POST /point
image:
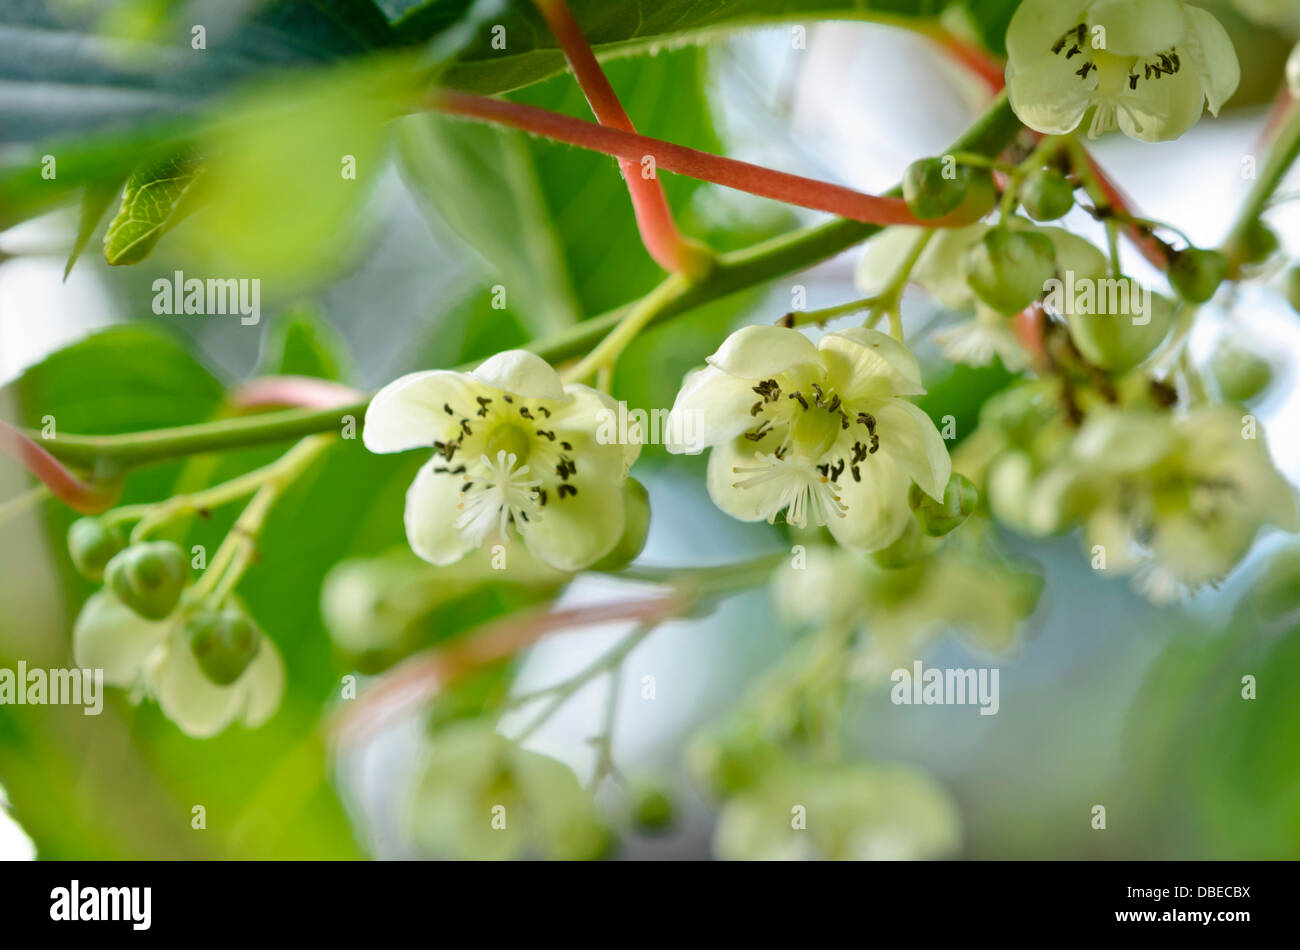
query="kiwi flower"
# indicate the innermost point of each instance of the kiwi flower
(513, 447)
(819, 432)
(154, 658)
(1148, 66)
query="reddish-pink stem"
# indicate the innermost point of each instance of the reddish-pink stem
(755, 179)
(1151, 249)
(987, 67)
(653, 216)
(422, 676)
(305, 391)
(85, 497)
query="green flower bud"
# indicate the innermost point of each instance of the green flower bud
(1121, 340)
(636, 526)
(1241, 374)
(91, 545)
(1047, 195)
(937, 518)
(935, 187)
(1277, 591)
(224, 643)
(1197, 273)
(1009, 269)
(1292, 286)
(652, 808)
(731, 762)
(148, 578)
(1258, 243)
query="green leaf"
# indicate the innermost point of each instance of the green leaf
(157, 197)
(300, 343)
(94, 204)
(621, 29)
(482, 182)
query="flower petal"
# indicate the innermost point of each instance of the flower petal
(574, 532)
(711, 408)
(523, 374)
(1211, 52)
(1047, 96)
(869, 365)
(1038, 24)
(876, 507)
(942, 267)
(586, 411)
(757, 352)
(909, 437)
(431, 512)
(410, 412)
(263, 685)
(188, 698)
(1139, 27)
(112, 637)
(751, 502)
(1161, 110)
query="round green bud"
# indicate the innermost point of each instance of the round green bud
(933, 187)
(1008, 269)
(91, 545)
(1241, 374)
(1118, 336)
(224, 643)
(936, 187)
(1047, 195)
(651, 808)
(148, 578)
(728, 763)
(937, 518)
(636, 526)
(1258, 243)
(1291, 285)
(1197, 273)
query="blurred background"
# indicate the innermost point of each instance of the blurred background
(1105, 699)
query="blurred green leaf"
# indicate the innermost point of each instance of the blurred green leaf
(157, 197)
(482, 182)
(300, 343)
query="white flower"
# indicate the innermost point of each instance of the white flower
(514, 446)
(1149, 66)
(153, 658)
(816, 431)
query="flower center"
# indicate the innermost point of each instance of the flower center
(814, 432)
(511, 439)
(497, 493)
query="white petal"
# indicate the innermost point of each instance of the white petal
(711, 408)
(1038, 24)
(410, 412)
(941, 269)
(1122, 441)
(574, 532)
(431, 514)
(263, 685)
(1047, 96)
(877, 509)
(868, 364)
(523, 374)
(1212, 54)
(911, 440)
(1161, 110)
(589, 412)
(188, 698)
(112, 637)
(758, 352)
(884, 254)
(753, 502)
(1139, 27)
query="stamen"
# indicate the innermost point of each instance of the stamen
(500, 493)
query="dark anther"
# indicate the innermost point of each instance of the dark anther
(546, 434)
(446, 407)
(523, 411)
(799, 397)
(566, 490)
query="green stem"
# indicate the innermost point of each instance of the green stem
(1285, 150)
(737, 271)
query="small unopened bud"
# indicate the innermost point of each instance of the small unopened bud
(1008, 269)
(1047, 195)
(1197, 273)
(651, 807)
(937, 518)
(1241, 374)
(91, 545)
(224, 643)
(636, 526)
(148, 578)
